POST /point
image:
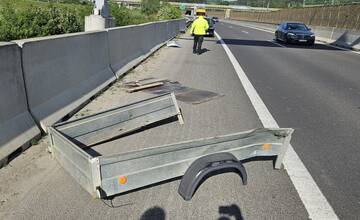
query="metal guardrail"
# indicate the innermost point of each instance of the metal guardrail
(108, 175)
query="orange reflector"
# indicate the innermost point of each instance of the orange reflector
(122, 180)
(266, 146)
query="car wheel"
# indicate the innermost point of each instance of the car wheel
(286, 39)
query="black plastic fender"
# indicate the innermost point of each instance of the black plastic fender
(203, 166)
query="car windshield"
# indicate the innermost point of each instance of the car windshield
(295, 26)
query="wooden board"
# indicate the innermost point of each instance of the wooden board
(150, 85)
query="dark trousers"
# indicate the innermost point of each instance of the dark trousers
(198, 39)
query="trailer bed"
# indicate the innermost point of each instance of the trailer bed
(103, 174)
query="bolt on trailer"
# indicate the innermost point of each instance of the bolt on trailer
(107, 175)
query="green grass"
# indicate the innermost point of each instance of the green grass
(23, 4)
(21, 19)
(29, 18)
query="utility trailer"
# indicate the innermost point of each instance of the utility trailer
(107, 175)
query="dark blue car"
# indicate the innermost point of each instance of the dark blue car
(294, 32)
(211, 30)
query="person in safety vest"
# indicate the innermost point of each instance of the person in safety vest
(198, 29)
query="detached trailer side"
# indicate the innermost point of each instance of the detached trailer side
(108, 175)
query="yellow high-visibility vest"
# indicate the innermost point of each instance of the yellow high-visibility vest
(199, 26)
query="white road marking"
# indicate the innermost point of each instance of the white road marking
(271, 41)
(245, 32)
(256, 28)
(326, 44)
(314, 201)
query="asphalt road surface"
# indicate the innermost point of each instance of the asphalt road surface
(34, 186)
(316, 91)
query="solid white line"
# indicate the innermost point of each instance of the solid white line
(256, 28)
(245, 32)
(314, 201)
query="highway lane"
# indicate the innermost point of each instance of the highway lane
(316, 91)
(35, 186)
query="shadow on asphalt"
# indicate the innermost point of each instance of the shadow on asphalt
(260, 43)
(226, 213)
(264, 43)
(154, 213)
(208, 39)
(204, 50)
(94, 153)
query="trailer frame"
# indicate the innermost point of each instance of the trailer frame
(108, 175)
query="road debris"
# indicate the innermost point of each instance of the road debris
(109, 124)
(185, 94)
(142, 84)
(173, 44)
(150, 85)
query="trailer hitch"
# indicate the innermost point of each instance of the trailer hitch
(202, 167)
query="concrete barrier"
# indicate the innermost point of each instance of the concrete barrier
(339, 16)
(63, 72)
(128, 46)
(182, 26)
(173, 28)
(132, 44)
(336, 36)
(148, 41)
(55, 75)
(161, 31)
(17, 127)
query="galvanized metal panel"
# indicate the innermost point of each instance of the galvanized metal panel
(73, 159)
(92, 129)
(156, 164)
(150, 165)
(106, 125)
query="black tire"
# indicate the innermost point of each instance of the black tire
(311, 43)
(286, 40)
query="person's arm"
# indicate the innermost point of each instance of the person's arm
(206, 25)
(192, 27)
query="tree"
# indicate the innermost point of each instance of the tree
(168, 12)
(31, 21)
(150, 7)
